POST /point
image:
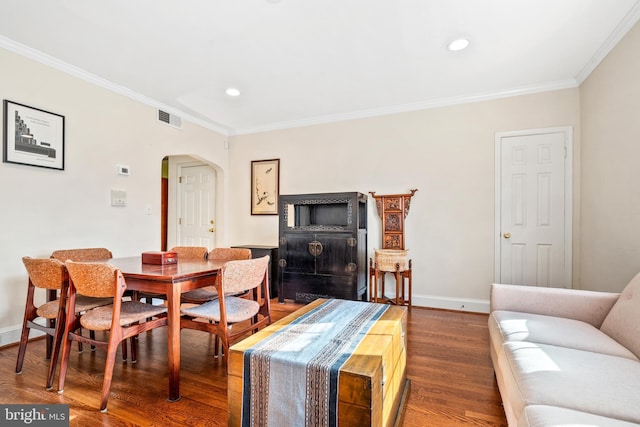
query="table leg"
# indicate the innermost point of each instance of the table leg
(399, 281)
(173, 331)
(410, 286)
(376, 276)
(52, 295)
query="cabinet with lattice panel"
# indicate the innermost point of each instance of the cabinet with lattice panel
(322, 246)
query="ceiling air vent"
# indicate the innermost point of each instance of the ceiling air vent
(170, 119)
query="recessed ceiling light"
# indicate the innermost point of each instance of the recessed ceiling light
(458, 44)
(232, 91)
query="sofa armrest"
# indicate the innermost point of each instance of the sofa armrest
(588, 306)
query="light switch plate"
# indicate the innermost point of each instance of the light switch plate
(118, 198)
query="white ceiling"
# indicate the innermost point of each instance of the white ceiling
(299, 62)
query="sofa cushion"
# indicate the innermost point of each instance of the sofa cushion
(515, 326)
(575, 379)
(623, 321)
(545, 416)
(588, 306)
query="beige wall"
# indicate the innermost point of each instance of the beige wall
(446, 153)
(610, 107)
(45, 209)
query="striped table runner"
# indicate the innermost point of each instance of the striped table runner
(291, 377)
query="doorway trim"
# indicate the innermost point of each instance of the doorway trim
(568, 196)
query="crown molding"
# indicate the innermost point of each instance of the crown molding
(403, 108)
(59, 65)
(625, 25)
(614, 38)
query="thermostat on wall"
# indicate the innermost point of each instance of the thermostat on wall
(123, 169)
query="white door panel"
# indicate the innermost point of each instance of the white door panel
(196, 224)
(531, 209)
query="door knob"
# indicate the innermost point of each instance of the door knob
(212, 229)
(507, 235)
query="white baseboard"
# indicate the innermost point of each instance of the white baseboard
(460, 304)
(11, 335)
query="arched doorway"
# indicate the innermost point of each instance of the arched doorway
(191, 188)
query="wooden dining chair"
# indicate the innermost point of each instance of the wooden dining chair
(185, 253)
(49, 274)
(190, 252)
(122, 319)
(82, 254)
(247, 314)
(208, 293)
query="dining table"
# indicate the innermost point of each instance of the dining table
(170, 280)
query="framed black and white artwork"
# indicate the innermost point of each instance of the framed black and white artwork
(33, 136)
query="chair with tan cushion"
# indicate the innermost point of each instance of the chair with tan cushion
(49, 274)
(82, 254)
(208, 293)
(229, 254)
(185, 253)
(122, 319)
(246, 314)
(190, 252)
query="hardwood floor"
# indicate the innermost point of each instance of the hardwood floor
(452, 382)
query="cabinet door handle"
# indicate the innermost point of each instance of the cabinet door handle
(315, 248)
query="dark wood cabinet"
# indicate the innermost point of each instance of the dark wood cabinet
(322, 246)
(258, 251)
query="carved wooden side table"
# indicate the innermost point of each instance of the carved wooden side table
(392, 258)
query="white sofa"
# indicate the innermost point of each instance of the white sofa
(565, 357)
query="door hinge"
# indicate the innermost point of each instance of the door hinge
(179, 221)
(180, 180)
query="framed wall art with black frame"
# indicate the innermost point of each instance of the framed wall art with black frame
(265, 186)
(32, 136)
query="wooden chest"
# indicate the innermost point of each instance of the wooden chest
(372, 383)
(159, 257)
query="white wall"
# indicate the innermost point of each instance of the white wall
(446, 153)
(610, 105)
(45, 209)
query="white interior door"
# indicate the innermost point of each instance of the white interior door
(534, 208)
(196, 222)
